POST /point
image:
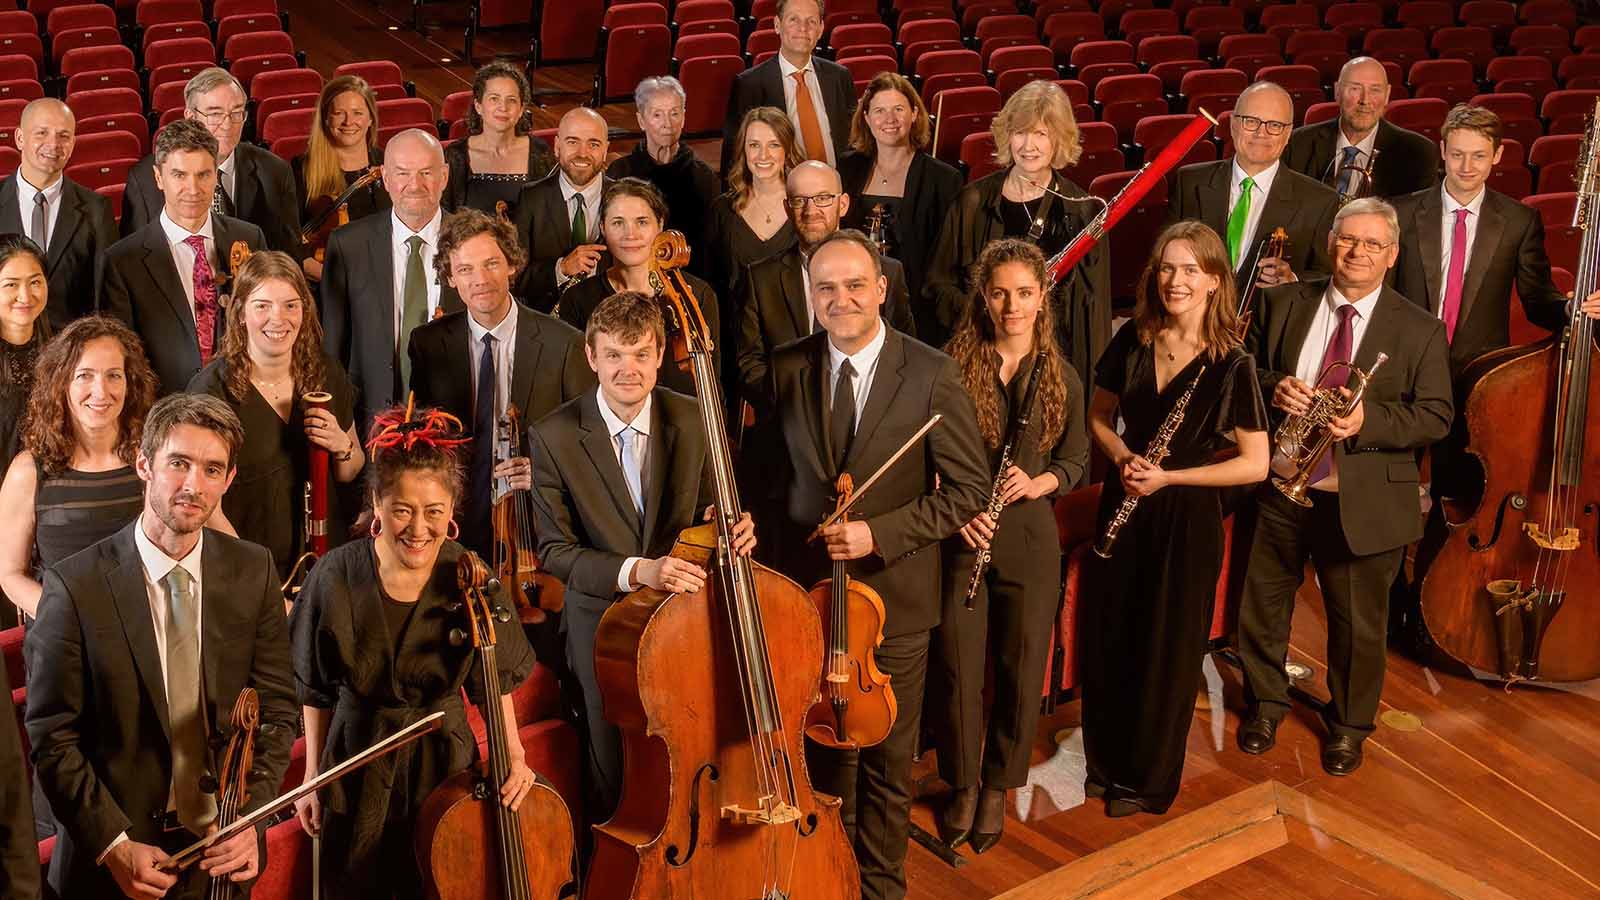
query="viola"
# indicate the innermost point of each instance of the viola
(534, 592)
(326, 213)
(233, 791)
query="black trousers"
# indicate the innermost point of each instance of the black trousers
(875, 783)
(601, 741)
(1355, 592)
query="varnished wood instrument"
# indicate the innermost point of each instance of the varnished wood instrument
(316, 490)
(880, 224)
(233, 791)
(1273, 246)
(534, 592)
(326, 213)
(716, 802)
(471, 846)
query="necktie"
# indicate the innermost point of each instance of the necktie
(1237, 218)
(630, 469)
(842, 421)
(414, 308)
(221, 203)
(810, 126)
(1339, 350)
(205, 298)
(41, 221)
(1451, 309)
(580, 222)
(1344, 182)
(196, 809)
(480, 490)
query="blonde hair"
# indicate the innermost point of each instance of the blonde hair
(1035, 102)
(324, 175)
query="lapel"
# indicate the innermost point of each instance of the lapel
(1292, 339)
(126, 584)
(1491, 227)
(664, 440)
(597, 443)
(244, 180)
(1212, 195)
(216, 643)
(1324, 147)
(914, 173)
(382, 256)
(1384, 315)
(524, 358)
(163, 273)
(794, 292)
(773, 83)
(10, 206)
(461, 357)
(555, 211)
(813, 388)
(67, 221)
(885, 385)
(1427, 224)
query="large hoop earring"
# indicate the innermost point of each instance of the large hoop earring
(376, 528)
(454, 531)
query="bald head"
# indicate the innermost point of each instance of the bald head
(412, 142)
(45, 137)
(581, 145)
(414, 174)
(1260, 126)
(1363, 94)
(816, 187)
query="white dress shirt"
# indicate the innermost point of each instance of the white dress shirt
(1309, 365)
(589, 196)
(1261, 186)
(641, 455)
(1366, 145)
(183, 254)
(52, 207)
(865, 363)
(1447, 228)
(792, 106)
(400, 232)
(505, 334)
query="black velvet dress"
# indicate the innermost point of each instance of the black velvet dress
(1146, 618)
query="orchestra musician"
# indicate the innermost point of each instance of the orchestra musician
(1142, 638)
(1244, 199)
(847, 398)
(532, 361)
(19, 850)
(1363, 494)
(343, 145)
(662, 158)
(1406, 161)
(617, 474)
(1007, 331)
(271, 357)
(372, 655)
(1035, 136)
(24, 328)
(559, 256)
(141, 640)
(500, 156)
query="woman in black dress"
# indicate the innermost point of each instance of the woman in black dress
(889, 166)
(1034, 136)
(342, 147)
(1009, 328)
(271, 358)
(73, 482)
(632, 214)
(372, 652)
(1144, 623)
(500, 156)
(23, 330)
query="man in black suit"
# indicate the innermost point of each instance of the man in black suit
(1277, 197)
(168, 279)
(847, 398)
(566, 246)
(1405, 162)
(664, 160)
(821, 113)
(71, 223)
(379, 280)
(1364, 496)
(493, 355)
(142, 645)
(19, 849)
(253, 184)
(617, 473)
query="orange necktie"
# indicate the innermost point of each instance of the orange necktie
(810, 126)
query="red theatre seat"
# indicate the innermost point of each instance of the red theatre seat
(631, 54)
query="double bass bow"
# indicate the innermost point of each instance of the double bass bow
(534, 592)
(716, 801)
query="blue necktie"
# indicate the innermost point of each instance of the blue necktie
(480, 490)
(1344, 182)
(630, 469)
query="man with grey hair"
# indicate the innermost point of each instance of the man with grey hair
(1361, 506)
(1402, 161)
(71, 224)
(687, 184)
(167, 279)
(143, 643)
(1247, 198)
(253, 184)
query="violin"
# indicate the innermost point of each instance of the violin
(1273, 246)
(535, 593)
(326, 213)
(860, 708)
(880, 222)
(233, 791)
(471, 846)
(716, 800)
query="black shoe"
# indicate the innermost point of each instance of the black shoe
(955, 820)
(1116, 809)
(990, 820)
(1258, 734)
(1341, 754)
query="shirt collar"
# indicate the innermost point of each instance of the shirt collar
(1475, 206)
(177, 234)
(26, 190)
(614, 425)
(1366, 144)
(1336, 298)
(429, 232)
(1262, 180)
(864, 359)
(157, 564)
(788, 68)
(503, 331)
(590, 192)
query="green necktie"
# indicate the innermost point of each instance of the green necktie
(1237, 218)
(580, 224)
(415, 309)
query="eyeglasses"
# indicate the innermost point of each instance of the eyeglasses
(217, 117)
(1350, 242)
(1253, 124)
(820, 201)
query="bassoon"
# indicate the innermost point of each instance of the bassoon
(316, 489)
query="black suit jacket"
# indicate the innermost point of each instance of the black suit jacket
(763, 86)
(358, 304)
(931, 189)
(1408, 405)
(83, 232)
(774, 313)
(545, 229)
(548, 366)
(1507, 252)
(1303, 207)
(141, 285)
(97, 705)
(907, 514)
(264, 195)
(19, 848)
(1406, 162)
(582, 512)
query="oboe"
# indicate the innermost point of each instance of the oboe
(1154, 454)
(996, 504)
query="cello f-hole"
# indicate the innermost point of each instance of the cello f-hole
(709, 772)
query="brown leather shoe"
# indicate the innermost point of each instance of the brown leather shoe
(1341, 754)
(1258, 734)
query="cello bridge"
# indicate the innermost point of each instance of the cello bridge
(770, 813)
(1564, 539)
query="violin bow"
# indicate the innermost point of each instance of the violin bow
(867, 485)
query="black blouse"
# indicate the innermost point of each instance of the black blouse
(373, 198)
(466, 190)
(1068, 457)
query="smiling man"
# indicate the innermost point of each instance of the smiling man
(566, 247)
(1405, 162)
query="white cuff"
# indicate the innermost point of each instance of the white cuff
(101, 859)
(624, 583)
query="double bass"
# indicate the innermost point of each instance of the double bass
(232, 790)
(716, 801)
(535, 593)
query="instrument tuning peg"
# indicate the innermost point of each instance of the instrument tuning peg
(502, 615)
(453, 606)
(493, 586)
(458, 637)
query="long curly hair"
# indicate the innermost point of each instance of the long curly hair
(480, 85)
(1221, 321)
(47, 423)
(305, 363)
(739, 183)
(973, 346)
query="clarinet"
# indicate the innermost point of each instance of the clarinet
(1155, 453)
(996, 505)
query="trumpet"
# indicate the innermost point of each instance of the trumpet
(1303, 439)
(1354, 181)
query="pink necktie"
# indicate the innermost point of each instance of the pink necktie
(1453, 278)
(205, 298)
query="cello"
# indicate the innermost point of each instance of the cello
(716, 801)
(233, 790)
(1515, 589)
(471, 846)
(535, 593)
